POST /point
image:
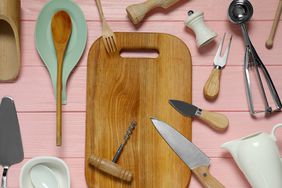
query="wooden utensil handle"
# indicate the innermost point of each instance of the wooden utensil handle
(59, 101)
(100, 9)
(212, 85)
(111, 168)
(215, 120)
(205, 178)
(137, 12)
(269, 42)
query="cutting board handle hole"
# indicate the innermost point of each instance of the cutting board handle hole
(139, 53)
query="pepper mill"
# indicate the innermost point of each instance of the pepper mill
(204, 34)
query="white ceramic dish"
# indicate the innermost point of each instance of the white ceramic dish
(42, 176)
(58, 166)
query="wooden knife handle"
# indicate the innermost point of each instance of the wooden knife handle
(111, 168)
(269, 42)
(137, 12)
(215, 120)
(205, 178)
(212, 85)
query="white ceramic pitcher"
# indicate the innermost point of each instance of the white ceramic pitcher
(258, 158)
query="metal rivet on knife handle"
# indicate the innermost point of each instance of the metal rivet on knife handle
(215, 120)
(206, 179)
(110, 168)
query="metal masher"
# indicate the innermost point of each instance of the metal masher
(239, 12)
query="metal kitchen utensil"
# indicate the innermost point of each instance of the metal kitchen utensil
(110, 167)
(189, 153)
(125, 139)
(215, 120)
(212, 86)
(11, 149)
(239, 12)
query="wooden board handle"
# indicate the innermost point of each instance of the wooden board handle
(205, 178)
(212, 85)
(215, 120)
(137, 12)
(269, 42)
(111, 168)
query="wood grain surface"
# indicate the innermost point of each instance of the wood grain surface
(122, 89)
(35, 101)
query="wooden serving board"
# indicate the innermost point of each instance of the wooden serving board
(120, 90)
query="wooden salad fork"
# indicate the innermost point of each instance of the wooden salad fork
(108, 35)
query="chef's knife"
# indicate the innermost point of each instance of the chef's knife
(11, 149)
(192, 156)
(214, 120)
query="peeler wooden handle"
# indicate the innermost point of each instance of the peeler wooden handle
(137, 12)
(215, 120)
(269, 42)
(212, 85)
(111, 168)
(207, 180)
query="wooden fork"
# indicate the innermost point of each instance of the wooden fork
(108, 35)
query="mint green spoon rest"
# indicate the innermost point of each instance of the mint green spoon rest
(45, 46)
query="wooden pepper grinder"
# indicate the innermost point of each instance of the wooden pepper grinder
(137, 12)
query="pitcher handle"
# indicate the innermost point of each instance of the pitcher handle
(273, 131)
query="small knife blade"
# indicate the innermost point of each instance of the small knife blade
(190, 154)
(215, 120)
(185, 108)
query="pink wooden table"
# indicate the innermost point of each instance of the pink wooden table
(36, 105)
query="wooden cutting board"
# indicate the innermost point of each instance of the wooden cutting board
(120, 90)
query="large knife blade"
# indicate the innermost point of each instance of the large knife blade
(190, 154)
(215, 120)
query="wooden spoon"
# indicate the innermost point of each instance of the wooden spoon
(61, 31)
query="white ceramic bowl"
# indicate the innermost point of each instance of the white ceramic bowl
(57, 165)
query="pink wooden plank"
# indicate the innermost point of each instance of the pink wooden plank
(38, 133)
(223, 169)
(115, 10)
(258, 31)
(33, 91)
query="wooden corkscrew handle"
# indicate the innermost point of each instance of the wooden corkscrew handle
(111, 168)
(137, 12)
(269, 42)
(212, 85)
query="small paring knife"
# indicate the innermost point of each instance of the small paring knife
(190, 154)
(215, 120)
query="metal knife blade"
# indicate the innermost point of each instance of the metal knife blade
(185, 108)
(186, 150)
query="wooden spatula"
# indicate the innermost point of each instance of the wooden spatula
(61, 31)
